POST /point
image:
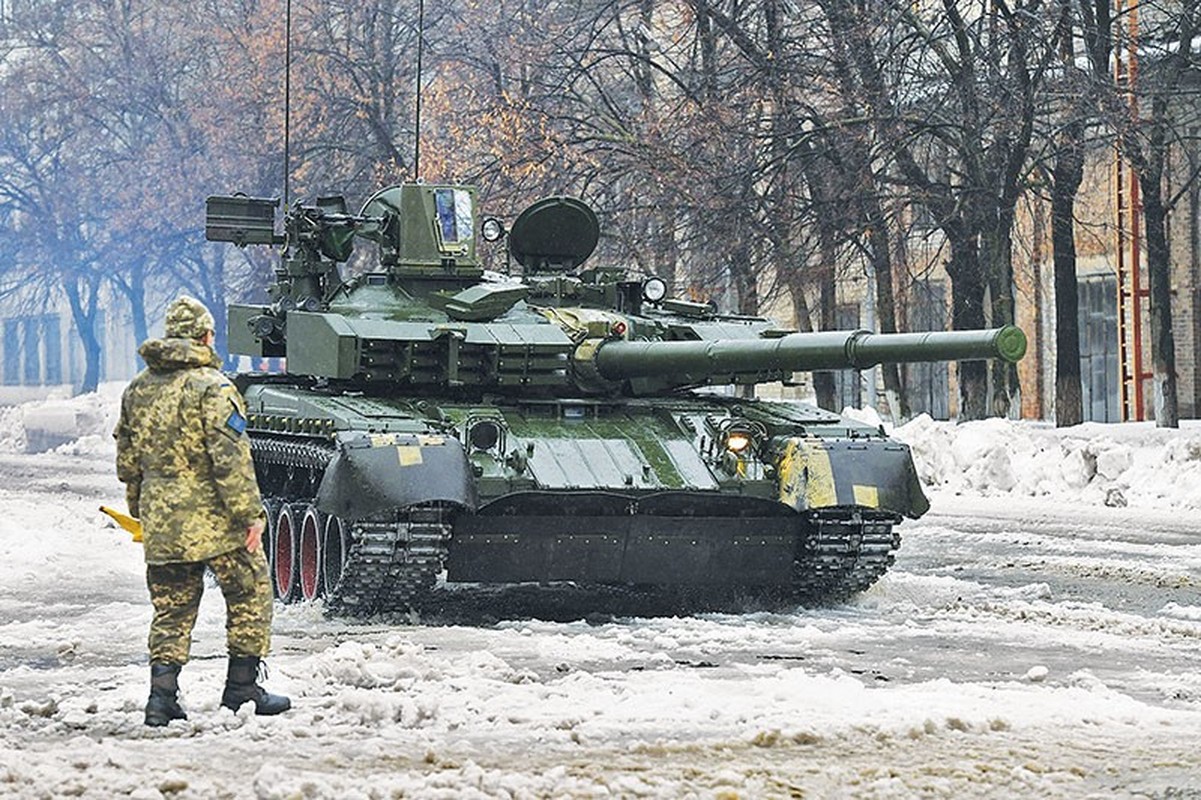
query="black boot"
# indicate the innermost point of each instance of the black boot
(240, 686)
(163, 705)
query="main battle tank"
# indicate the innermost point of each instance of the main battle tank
(434, 418)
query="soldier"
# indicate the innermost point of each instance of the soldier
(184, 457)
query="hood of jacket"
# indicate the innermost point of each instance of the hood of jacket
(162, 355)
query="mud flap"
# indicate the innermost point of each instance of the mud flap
(822, 473)
(373, 473)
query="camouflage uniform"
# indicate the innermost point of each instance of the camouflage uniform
(183, 454)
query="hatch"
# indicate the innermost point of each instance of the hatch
(554, 234)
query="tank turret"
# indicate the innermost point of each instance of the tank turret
(425, 242)
(436, 416)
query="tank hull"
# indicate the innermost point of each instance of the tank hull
(620, 492)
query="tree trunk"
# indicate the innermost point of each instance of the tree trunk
(667, 252)
(83, 312)
(886, 306)
(742, 274)
(1005, 387)
(214, 296)
(823, 380)
(137, 309)
(967, 313)
(1163, 342)
(135, 292)
(1149, 165)
(708, 45)
(800, 306)
(1067, 175)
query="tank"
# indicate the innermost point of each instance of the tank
(435, 426)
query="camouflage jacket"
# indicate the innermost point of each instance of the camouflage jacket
(183, 454)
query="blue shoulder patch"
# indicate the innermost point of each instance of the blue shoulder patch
(236, 422)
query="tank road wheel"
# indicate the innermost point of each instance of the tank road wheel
(271, 511)
(335, 547)
(283, 562)
(309, 553)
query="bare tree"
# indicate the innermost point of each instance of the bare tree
(1146, 130)
(45, 163)
(955, 107)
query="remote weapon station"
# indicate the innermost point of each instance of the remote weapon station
(431, 419)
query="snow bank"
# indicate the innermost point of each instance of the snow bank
(80, 425)
(1133, 464)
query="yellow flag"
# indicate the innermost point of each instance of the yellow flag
(125, 521)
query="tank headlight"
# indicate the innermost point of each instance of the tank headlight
(741, 437)
(654, 289)
(738, 442)
(491, 229)
(483, 435)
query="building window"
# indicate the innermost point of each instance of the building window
(1098, 310)
(31, 373)
(53, 347)
(12, 351)
(33, 351)
(927, 385)
(848, 383)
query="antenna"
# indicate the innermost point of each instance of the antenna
(417, 123)
(287, 99)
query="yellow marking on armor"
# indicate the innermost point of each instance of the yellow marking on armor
(791, 472)
(866, 495)
(819, 491)
(431, 441)
(382, 439)
(805, 475)
(409, 454)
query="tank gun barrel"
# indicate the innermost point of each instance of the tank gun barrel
(795, 352)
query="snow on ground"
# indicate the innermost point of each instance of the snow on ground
(1038, 637)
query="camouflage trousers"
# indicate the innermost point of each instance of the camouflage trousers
(175, 590)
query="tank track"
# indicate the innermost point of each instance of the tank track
(310, 455)
(846, 553)
(391, 561)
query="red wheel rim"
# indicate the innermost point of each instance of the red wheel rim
(285, 554)
(310, 554)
